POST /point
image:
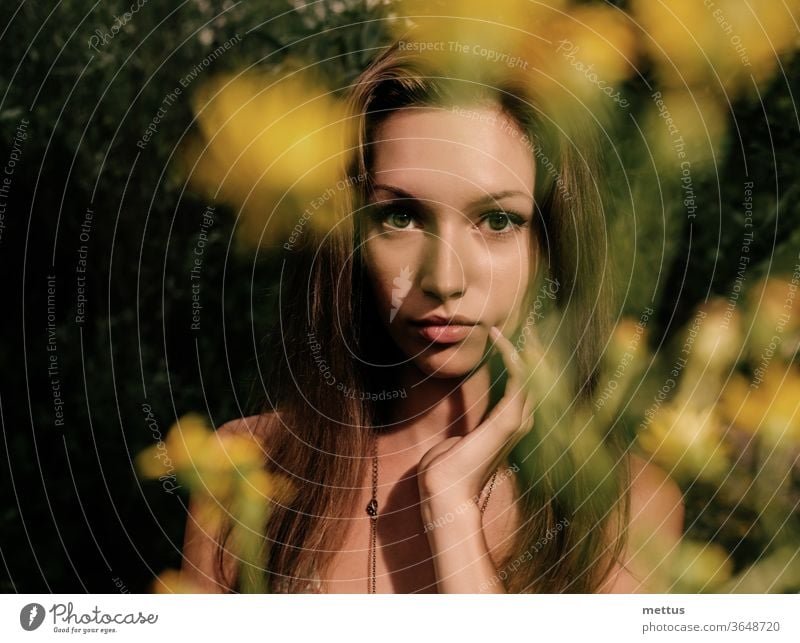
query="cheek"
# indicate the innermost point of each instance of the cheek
(510, 278)
(382, 266)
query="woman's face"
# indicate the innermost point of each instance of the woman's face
(448, 242)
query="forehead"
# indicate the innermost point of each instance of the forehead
(430, 151)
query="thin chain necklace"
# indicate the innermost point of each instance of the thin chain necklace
(372, 512)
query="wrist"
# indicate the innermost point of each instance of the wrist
(440, 493)
(446, 500)
(441, 510)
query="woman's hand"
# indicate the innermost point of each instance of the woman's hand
(457, 469)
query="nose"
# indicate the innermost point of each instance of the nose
(443, 269)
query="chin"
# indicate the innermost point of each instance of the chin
(445, 362)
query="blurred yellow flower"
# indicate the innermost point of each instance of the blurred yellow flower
(683, 127)
(774, 319)
(230, 451)
(700, 567)
(466, 34)
(628, 341)
(184, 440)
(769, 406)
(209, 462)
(624, 359)
(230, 485)
(172, 581)
(753, 35)
(679, 36)
(226, 461)
(268, 140)
(720, 44)
(718, 340)
(596, 49)
(686, 441)
(712, 344)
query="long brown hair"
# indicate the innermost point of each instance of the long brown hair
(328, 339)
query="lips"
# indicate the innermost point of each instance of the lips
(443, 330)
(442, 320)
(447, 334)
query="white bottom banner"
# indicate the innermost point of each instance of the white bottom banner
(400, 617)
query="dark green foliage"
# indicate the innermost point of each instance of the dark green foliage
(76, 517)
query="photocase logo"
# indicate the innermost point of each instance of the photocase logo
(402, 285)
(31, 616)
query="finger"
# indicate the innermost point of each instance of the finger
(508, 411)
(511, 359)
(519, 370)
(527, 414)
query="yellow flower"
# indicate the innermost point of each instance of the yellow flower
(712, 343)
(686, 441)
(623, 360)
(465, 34)
(595, 48)
(222, 463)
(230, 486)
(172, 581)
(628, 341)
(679, 35)
(206, 461)
(272, 146)
(227, 452)
(774, 319)
(700, 567)
(184, 440)
(721, 45)
(753, 35)
(769, 406)
(685, 126)
(717, 335)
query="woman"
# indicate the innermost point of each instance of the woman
(401, 329)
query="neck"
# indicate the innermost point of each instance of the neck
(435, 409)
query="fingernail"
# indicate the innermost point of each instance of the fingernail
(494, 332)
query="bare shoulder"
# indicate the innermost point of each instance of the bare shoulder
(261, 427)
(654, 528)
(258, 425)
(655, 497)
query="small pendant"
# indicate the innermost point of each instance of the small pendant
(372, 507)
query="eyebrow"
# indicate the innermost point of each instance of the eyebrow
(488, 199)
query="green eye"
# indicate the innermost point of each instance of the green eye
(498, 221)
(394, 217)
(502, 222)
(398, 219)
